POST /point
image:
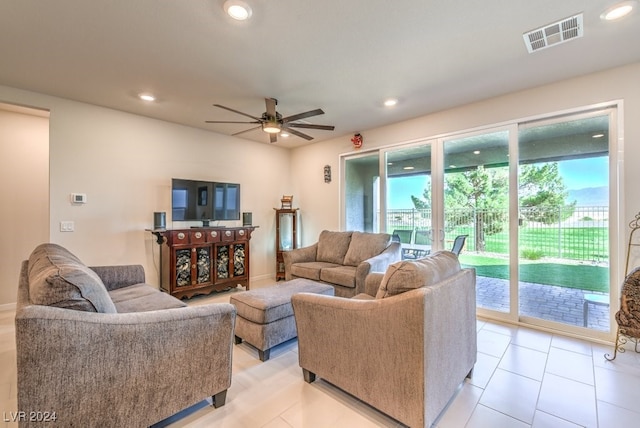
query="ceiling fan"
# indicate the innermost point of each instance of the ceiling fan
(273, 123)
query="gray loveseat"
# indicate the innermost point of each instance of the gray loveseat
(342, 259)
(407, 349)
(100, 348)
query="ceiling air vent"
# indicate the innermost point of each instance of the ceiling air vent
(554, 34)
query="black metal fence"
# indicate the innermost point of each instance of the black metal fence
(574, 233)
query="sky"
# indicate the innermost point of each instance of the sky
(577, 174)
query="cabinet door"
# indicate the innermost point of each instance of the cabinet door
(222, 262)
(193, 266)
(239, 259)
(183, 267)
(202, 265)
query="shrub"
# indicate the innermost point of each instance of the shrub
(532, 254)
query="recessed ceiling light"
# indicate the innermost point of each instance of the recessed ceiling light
(618, 11)
(408, 168)
(476, 152)
(452, 166)
(237, 9)
(390, 102)
(147, 97)
(597, 136)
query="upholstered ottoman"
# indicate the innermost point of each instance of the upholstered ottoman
(265, 316)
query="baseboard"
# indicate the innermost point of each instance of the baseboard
(8, 307)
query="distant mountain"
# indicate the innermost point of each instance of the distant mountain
(590, 196)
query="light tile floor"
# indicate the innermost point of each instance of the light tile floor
(523, 378)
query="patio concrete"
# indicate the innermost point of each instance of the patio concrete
(543, 301)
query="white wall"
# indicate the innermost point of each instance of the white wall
(24, 191)
(319, 201)
(124, 163)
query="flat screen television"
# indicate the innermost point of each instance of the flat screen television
(193, 200)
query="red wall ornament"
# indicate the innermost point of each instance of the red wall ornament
(357, 141)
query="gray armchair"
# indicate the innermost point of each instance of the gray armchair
(404, 352)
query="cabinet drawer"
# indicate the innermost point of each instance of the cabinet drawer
(227, 235)
(179, 238)
(213, 236)
(197, 236)
(242, 235)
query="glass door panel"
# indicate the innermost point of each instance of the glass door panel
(408, 199)
(361, 193)
(563, 240)
(476, 205)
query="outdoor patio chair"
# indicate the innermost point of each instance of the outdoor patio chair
(422, 237)
(628, 317)
(458, 243)
(404, 235)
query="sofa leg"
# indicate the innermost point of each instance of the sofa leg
(308, 376)
(470, 374)
(264, 355)
(219, 399)
(238, 340)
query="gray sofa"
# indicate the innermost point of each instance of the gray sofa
(407, 349)
(342, 259)
(99, 347)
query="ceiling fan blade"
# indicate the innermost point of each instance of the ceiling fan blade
(304, 115)
(226, 121)
(271, 107)
(248, 130)
(310, 126)
(236, 111)
(273, 138)
(297, 133)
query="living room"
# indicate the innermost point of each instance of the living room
(124, 163)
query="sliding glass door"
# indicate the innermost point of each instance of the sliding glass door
(476, 206)
(563, 192)
(408, 201)
(531, 201)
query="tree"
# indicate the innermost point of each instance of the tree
(543, 194)
(481, 196)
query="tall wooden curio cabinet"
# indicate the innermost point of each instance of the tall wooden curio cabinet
(286, 236)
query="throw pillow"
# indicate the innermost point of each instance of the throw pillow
(332, 246)
(58, 278)
(411, 274)
(364, 246)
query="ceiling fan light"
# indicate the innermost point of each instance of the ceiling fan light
(271, 127)
(237, 9)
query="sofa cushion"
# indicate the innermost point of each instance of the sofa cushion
(143, 298)
(340, 275)
(364, 246)
(411, 274)
(58, 278)
(310, 270)
(333, 246)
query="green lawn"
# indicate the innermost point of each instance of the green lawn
(584, 277)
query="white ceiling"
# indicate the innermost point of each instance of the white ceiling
(343, 56)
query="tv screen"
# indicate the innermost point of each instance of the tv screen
(193, 200)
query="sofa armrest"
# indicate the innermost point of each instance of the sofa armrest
(121, 365)
(372, 283)
(298, 255)
(115, 277)
(379, 263)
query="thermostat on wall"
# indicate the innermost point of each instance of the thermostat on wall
(78, 198)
